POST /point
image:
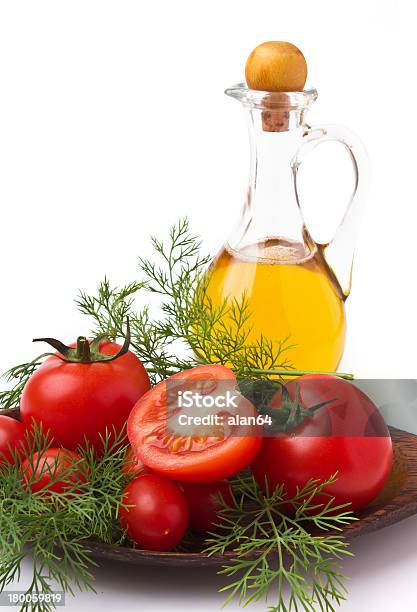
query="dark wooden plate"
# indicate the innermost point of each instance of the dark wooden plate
(397, 501)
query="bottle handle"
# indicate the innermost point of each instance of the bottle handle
(339, 251)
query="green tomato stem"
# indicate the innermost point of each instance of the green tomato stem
(282, 373)
(85, 351)
(292, 373)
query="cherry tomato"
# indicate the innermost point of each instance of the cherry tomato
(77, 400)
(204, 503)
(348, 435)
(43, 471)
(133, 466)
(192, 457)
(12, 438)
(157, 516)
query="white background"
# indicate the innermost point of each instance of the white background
(113, 124)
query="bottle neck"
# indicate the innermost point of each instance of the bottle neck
(271, 208)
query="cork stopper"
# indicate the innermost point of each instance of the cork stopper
(280, 111)
(277, 119)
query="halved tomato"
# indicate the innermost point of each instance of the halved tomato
(213, 452)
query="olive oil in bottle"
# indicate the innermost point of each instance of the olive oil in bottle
(291, 292)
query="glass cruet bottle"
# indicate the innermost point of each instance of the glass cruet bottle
(295, 287)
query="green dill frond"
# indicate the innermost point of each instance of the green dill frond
(189, 329)
(290, 551)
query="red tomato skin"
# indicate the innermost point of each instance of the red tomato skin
(45, 466)
(202, 503)
(236, 453)
(363, 462)
(363, 465)
(12, 438)
(158, 517)
(74, 400)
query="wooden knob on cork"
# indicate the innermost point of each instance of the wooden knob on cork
(276, 66)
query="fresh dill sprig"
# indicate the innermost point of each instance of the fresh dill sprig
(52, 528)
(190, 328)
(110, 307)
(280, 542)
(18, 375)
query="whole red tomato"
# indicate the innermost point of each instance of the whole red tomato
(347, 435)
(54, 470)
(85, 396)
(12, 438)
(157, 516)
(215, 453)
(204, 503)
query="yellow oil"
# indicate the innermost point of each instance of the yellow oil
(291, 292)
